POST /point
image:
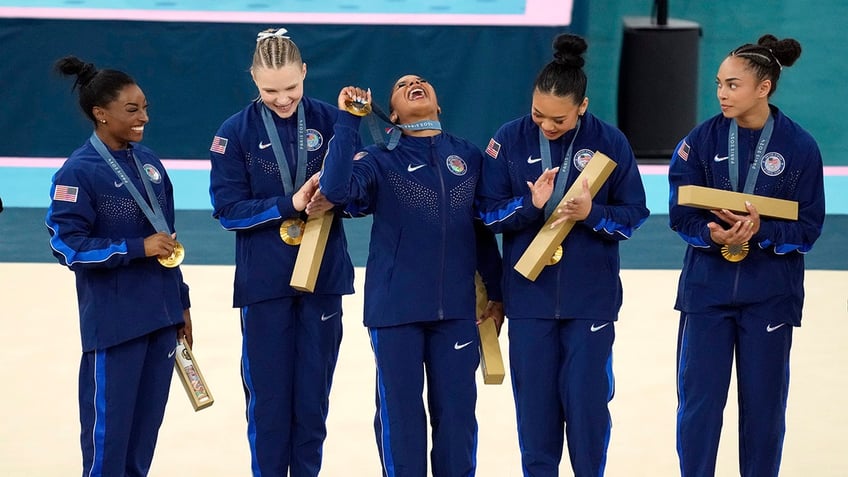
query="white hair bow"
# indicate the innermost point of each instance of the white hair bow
(281, 33)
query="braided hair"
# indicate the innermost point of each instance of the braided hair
(275, 50)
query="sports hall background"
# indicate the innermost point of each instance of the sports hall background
(194, 74)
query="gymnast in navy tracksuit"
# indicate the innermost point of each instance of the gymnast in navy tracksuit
(745, 307)
(290, 338)
(561, 326)
(420, 301)
(132, 308)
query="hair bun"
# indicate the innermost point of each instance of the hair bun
(786, 51)
(569, 49)
(71, 65)
(87, 73)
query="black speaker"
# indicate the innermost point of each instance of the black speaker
(657, 84)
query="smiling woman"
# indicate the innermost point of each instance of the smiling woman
(425, 248)
(264, 159)
(562, 326)
(110, 234)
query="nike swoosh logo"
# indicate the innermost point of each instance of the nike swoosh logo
(719, 159)
(530, 160)
(327, 317)
(770, 328)
(412, 168)
(460, 346)
(171, 353)
(594, 328)
(264, 146)
(119, 183)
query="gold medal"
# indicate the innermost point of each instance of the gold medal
(357, 108)
(291, 231)
(556, 257)
(734, 253)
(175, 258)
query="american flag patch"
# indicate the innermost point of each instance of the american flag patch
(65, 193)
(683, 151)
(493, 148)
(219, 145)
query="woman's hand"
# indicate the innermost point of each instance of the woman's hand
(576, 208)
(160, 245)
(301, 198)
(318, 204)
(742, 227)
(494, 311)
(355, 94)
(542, 189)
(185, 333)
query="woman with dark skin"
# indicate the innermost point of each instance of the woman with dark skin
(420, 304)
(741, 290)
(111, 221)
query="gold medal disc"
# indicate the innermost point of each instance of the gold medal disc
(175, 258)
(734, 253)
(556, 257)
(291, 231)
(357, 109)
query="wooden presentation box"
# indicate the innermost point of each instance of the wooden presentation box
(191, 377)
(310, 253)
(715, 199)
(491, 359)
(543, 246)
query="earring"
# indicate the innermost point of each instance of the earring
(103, 121)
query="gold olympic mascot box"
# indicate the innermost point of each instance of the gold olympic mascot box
(310, 253)
(491, 359)
(192, 379)
(714, 199)
(543, 246)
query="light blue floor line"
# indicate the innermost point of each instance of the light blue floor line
(30, 187)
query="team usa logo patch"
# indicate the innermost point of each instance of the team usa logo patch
(773, 164)
(219, 145)
(152, 173)
(493, 148)
(582, 158)
(683, 151)
(314, 140)
(456, 165)
(359, 155)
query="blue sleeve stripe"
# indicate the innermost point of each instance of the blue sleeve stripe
(611, 227)
(788, 247)
(785, 248)
(72, 257)
(503, 213)
(248, 222)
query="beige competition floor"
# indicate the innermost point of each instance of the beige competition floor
(40, 353)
